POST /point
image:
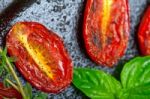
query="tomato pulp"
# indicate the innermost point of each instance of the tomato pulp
(144, 33)
(9, 92)
(41, 56)
(106, 30)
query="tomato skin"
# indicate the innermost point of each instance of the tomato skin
(41, 56)
(106, 30)
(144, 33)
(9, 92)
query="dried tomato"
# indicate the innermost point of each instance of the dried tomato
(41, 56)
(106, 30)
(9, 92)
(144, 33)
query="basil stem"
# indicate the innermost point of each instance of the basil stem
(20, 86)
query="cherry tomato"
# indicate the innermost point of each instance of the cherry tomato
(41, 56)
(106, 30)
(9, 92)
(144, 33)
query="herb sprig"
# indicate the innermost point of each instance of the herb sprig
(10, 78)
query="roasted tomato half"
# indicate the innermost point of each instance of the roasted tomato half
(9, 93)
(41, 56)
(144, 34)
(106, 30)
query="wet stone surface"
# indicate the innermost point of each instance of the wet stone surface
(65, 18)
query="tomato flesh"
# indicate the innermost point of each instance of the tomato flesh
(41, 56)
(144, 33)
(106, 30)
(9, 92)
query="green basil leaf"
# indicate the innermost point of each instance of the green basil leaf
(3, 52)
(96, 84)
(1, 70)
(135, 79)
(12, 59)
(40, 95)
(28, 90)
(7, 76)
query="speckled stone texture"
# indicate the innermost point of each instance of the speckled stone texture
(65, 17)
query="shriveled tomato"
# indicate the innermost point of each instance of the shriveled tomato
(144, 34)
(106, 30)
(9, 92)
(41, 56)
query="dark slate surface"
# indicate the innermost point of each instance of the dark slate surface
(65, 18)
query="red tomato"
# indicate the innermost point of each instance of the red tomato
(106, 30)
(9, 92)
(144, 34)
(41, 56)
